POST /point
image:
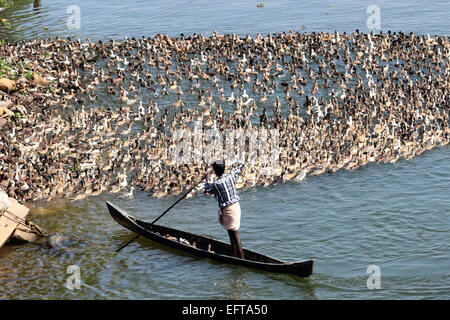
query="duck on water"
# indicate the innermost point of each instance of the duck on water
(339, 101)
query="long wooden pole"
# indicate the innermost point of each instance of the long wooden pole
(161, 215)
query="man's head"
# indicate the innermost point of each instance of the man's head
(219, 167)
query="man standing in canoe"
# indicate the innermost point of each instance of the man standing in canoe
(224, 189)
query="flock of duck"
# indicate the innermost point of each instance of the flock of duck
(100, 116)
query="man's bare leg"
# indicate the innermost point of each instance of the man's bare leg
(236, 244)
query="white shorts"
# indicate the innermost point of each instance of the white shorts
(230, 216)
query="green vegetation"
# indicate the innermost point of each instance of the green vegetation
(75, 168)
(28, 74)
(5, 23)
(10, 69)
(6, 3)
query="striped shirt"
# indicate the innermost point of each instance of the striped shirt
(224, 188)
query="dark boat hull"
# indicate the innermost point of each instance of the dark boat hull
(207, 247)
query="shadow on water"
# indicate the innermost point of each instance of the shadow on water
(37, 4)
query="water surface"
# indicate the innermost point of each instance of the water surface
(395, 216)
(118, 19)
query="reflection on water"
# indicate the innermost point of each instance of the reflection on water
(393, 215)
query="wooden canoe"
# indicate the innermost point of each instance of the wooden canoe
(206, 247)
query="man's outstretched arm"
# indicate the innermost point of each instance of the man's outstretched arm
(209, 187)
(237, 171)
